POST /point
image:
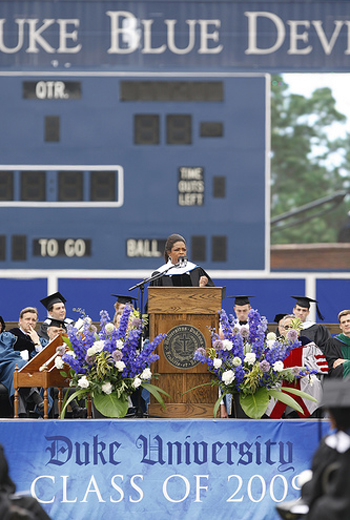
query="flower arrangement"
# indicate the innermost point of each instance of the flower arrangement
(109, 365)
(250, 363)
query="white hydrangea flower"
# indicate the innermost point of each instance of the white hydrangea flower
(271, 336)
(227, 344)
(136, 383)
(228, 377)
(120, 365)
(278, 366)
(109, 328)
(236, 361)
(83, 382)
(99, 345)
(119, 344)
(107, 388)
(250, 358)
(146, 374)
(59, 363)
(217, 362)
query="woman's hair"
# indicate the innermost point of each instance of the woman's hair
(170, 242)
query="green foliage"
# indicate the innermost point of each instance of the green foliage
(300, 170)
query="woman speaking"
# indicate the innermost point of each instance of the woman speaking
(177, 270)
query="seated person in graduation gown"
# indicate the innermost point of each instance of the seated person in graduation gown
(56, 309)
(337, 348)
(308, 354)
(178, 271)
(316, 332)
(9, 359)
(28, 341)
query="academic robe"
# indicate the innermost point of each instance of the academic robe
(308, 354)
(24, 342)
(333, 351)
(9, 358)
(328, 492)
(187, 276)
(317, 333)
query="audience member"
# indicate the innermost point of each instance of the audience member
(325, 492)
(12, 506)
(337, 348)
(314, 331)
(307, 355)
(55, 306)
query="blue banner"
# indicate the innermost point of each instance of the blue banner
(149, 469)
(250, 35)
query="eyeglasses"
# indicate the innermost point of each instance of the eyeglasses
(287, 327)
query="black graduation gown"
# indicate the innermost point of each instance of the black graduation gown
(333, 351)
(182, 280)
(319, 334)
(328, 492)
(23, 342)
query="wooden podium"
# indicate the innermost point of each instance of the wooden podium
(185, 314)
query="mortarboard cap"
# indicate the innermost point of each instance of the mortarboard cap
(279, 317)
(51, 299)
(242, 299)
(336, 393)
(304, 301)
(52, 322)
(122, 298)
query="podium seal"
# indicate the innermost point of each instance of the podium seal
(180, 345)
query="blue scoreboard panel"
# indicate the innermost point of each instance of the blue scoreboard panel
(97, 169)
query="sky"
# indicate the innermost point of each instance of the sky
(339, 83)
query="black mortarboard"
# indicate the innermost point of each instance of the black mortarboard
(3, 324)
(279, 317)
(124, 299)
(51, 299)
(52, 322)
(304, 301)
(242, 299)
(336, 393)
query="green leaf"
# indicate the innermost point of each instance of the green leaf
(218, 402)
(67, 400)
(67, 341)
(286, 399)
(255, 405)
(155, 391)
(300, 393)
(198, 386)
(111, 405)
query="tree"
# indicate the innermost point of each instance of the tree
(300, 170)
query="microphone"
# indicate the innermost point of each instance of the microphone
(182, 261)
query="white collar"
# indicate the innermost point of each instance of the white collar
(339, 441)
(176, 270)
(307, 324)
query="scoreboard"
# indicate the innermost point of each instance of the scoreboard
(98, 168)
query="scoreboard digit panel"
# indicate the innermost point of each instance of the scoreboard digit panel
(97, 170)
